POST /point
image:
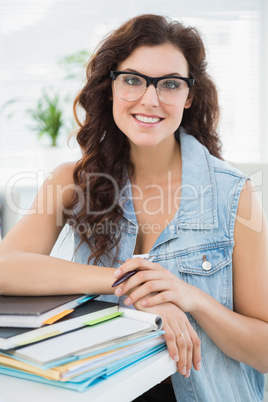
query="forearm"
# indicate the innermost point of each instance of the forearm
(35, 274)
(243, 338)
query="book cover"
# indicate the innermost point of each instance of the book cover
(34, 311)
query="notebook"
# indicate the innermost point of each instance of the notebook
(89, 340)
(87, 313)
(35, 311)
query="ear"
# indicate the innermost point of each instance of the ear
(188, 102)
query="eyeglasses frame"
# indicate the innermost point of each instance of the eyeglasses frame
(151, 80)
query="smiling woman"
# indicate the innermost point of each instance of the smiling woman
(32, 44)
(168, 95)
(152, 183)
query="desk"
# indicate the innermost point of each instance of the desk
(121, 387)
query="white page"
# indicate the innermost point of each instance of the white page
(134, 314)
(114, 355)
(70, 343)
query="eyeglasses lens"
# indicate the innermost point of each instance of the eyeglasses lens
(171, 91)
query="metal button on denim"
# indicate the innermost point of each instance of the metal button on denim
(206, 265)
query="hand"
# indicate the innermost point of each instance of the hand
(183, 343)
(153, 285)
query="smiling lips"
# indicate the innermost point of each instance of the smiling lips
(147, 119)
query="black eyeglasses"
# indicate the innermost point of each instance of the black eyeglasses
(171, 89)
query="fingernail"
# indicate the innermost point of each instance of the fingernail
(127, 301)
(176, 358)
(183, 371)
(198, 367)
(118, 292)
(188, 372)
(117, 273)
(144, 303)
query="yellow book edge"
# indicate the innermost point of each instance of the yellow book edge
(54, 373)
(49, 374)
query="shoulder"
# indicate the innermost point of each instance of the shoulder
(250, 257)
(197, 155)
(64, 173)
(230, 182)
(249, 213)
(59, 185)
(222, 167)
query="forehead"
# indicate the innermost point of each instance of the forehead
(156, 61)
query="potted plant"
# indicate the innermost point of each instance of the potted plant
(48, 117)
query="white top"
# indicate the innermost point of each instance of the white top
(141, 255)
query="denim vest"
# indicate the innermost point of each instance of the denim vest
(201, 230)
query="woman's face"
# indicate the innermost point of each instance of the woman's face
(147, 121)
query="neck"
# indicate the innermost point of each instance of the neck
(153, 164)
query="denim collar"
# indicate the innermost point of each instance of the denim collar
(198, 205)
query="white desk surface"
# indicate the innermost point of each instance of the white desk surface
(121, 387)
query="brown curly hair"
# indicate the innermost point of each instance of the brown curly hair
(105, 149)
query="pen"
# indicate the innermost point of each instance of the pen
(124, 277)
(127, 275)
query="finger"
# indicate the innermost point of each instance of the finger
(182, 347)
(171, 343)
(196, 356)
(136, 263)
(146, 289)
(189, 352)
(140, 278)
(159, 298)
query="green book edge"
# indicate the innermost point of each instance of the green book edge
(105, 318)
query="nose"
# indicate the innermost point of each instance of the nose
(150, 97)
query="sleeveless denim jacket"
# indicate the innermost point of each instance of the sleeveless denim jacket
(201, 230)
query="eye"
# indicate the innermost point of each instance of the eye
(170, 84)
(132, 80)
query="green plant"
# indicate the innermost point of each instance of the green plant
(48, 117)
(74, 64)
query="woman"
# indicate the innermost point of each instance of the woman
(151, 182)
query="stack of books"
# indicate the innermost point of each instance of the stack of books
(73, 341)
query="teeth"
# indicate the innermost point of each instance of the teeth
(146, 119)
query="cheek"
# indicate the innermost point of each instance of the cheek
(118, 113)
(115, 109)
(178, 113)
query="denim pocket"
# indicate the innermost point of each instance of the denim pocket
(209, 269)
(197, 262)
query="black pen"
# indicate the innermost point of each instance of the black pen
(127, 275)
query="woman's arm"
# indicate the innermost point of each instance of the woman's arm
(25, 265)
(243, 333)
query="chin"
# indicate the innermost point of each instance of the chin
(146, 141)
(146, 144)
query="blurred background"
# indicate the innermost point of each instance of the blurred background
(44, 45)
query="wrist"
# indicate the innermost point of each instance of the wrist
(197, 300)
(201, 305)
(100, 280)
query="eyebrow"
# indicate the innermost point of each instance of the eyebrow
(131, 70)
